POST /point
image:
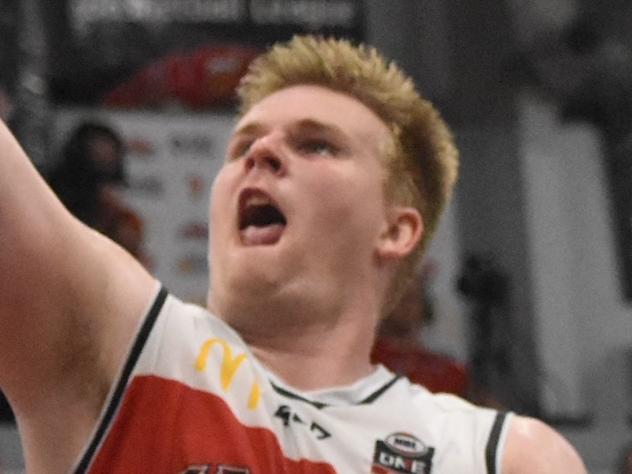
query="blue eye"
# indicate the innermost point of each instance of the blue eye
(244, 148)
(318, 147)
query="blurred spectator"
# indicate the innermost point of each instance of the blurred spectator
(91, 161)
(88, 178)
(486, 287)
(399, 345)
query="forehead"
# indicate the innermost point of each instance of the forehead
(311, 103)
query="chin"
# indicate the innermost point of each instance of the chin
(244, 283)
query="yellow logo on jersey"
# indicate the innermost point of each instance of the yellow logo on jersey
(228, 368)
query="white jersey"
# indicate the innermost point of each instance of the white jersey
(192, 398)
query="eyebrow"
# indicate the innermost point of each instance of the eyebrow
(307, 124)
(251, 128)
(312, 125)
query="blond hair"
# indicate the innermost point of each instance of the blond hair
(421, 162)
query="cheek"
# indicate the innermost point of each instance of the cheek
(355, 203)
(221, 189)
(219, 208)
(215, 204)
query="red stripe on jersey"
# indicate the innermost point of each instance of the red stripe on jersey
(166, 426)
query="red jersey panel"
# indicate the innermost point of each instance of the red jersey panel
(189, 427)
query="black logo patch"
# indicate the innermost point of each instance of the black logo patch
(402, 453)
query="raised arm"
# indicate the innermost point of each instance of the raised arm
(69, 302)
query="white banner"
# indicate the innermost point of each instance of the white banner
(171, 162)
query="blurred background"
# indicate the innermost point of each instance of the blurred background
(524, 301)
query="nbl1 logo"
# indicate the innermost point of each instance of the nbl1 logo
(402, 453)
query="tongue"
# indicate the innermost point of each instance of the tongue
(267, 235)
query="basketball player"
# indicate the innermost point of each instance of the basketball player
(334, 179)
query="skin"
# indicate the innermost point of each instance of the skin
(317, 154)
(72, 299)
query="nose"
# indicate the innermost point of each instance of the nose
(266, 153)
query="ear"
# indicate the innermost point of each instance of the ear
(402, 231)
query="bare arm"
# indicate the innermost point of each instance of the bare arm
(70, 302)
(535, 448)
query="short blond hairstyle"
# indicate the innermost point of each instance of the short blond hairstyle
(421, 162)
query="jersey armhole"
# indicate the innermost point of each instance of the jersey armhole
(496, 443)
(114, 398)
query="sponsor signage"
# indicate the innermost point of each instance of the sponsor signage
(139, 53)
(171, 162)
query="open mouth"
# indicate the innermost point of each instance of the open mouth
(261, 222)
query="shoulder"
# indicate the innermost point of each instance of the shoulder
(533, 447)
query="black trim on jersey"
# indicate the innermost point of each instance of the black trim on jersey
(380, 391)
(492, 442)
(321, 405)
(117, 395)
(286, 393)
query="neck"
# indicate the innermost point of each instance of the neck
(311, 338)
(310, 357)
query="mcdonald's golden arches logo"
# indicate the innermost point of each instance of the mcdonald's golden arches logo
(228, 368)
